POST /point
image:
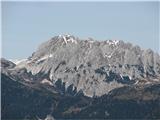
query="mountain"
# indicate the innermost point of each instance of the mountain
(68, 77)
(95, 67)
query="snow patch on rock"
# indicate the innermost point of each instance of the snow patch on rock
(44, 58)
(68, 38)
(113, 42)
(18, 61)
(45, 81)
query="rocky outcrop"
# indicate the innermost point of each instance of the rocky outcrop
(95, 67)
(6, 64)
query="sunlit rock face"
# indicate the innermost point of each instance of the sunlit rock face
(94, 67)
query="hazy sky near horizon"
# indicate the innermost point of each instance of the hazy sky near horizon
(25, 25)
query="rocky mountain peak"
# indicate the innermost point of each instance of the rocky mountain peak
(94, 67)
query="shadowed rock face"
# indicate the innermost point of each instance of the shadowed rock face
(20, 101)
(6, 64)
(95, 67)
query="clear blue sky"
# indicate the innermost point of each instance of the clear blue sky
(27, 24)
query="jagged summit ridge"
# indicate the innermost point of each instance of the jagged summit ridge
(95, 67)
(67, 38)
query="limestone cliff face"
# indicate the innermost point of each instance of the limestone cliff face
(94, 67)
